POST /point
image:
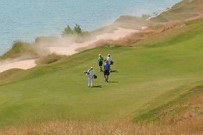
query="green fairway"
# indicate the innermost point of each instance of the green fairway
(59, 91)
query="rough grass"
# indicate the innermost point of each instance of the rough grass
(10, 75)
(51, 58)
(145, 36)
(20, 49)
(102, 128)
(186, 9)
(171, 110)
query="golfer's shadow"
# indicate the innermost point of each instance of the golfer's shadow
(97, 86)
(114, 71)
(113, 82)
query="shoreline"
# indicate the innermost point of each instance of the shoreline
(121, 28)
(7, 43)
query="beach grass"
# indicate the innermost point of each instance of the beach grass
(184, 10)
(20, 49)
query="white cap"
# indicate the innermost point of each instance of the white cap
(91, 68)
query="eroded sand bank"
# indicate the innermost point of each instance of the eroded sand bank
(67, 48)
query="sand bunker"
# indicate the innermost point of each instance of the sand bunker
(19, 64)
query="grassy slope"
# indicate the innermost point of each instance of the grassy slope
(59, 90)
(168, 112)
(186, 9)
(20, 49)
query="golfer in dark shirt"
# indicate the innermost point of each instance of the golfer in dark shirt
(100, 62)
(106, 70)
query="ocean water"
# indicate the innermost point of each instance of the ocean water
(24, 20)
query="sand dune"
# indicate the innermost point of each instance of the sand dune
(63, 47)
(75, 47)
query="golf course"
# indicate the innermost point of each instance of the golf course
(163, 70)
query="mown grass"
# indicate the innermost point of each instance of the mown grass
(59, 91)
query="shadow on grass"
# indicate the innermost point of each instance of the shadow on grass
(97, 86)
(113, 82)
(114, 71)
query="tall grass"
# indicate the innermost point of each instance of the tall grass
(48, 59)
(20, 49)
(103, 128)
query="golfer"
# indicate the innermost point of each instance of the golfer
(90, 74)
(100, 62)
(109, 59)
(106, 70)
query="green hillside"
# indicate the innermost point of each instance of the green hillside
(58, 91)
(20, 49)
(185, 10)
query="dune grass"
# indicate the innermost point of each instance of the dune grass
(20, 49)
(186, 9)
(51, 58)
(59, 91)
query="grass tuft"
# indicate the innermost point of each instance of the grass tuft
(51, 58)
(20, 49)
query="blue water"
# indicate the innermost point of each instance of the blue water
(24, 20)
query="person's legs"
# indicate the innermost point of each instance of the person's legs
(100, 65)
(105, 75)
(106, 78)
(91, 81)
(101, 69)
(88, 81)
